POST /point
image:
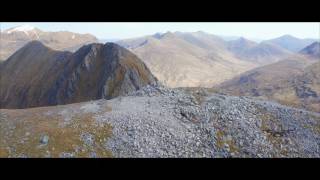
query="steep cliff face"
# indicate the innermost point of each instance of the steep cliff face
(38, 76)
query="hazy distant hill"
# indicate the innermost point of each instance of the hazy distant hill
(107, 40)
(187, 59)
(204, 40)
(292, 43)
(260, 53)
(312, 50)
(14, 38)
(38, 76)
(201, 59)
(229, 38)
(293, 81)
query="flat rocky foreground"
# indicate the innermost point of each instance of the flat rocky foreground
(161, 122)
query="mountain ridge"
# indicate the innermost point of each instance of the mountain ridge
(291, 43)
(13, 39)
(292, 81)
(176, 62)
(312, 50)
(43, 76)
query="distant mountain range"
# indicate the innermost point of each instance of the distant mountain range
(292, 81)
(232, 38)
(187, 59)
(37, 75)
(15, 38)
(201, 59)
(291, 43)
(116, 107)
(179, 59)
(259, 53)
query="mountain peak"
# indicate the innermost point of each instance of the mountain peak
(22, 28)
(200, 32)
(168, 34)
(243, 40)
(111, 44)
(35, 42)
(95, 71)
(96, 46)
(242, 43)
(287, 36)
(291, 43)
(37, 45)
(157, 35)
(15, 38)
(312, 50)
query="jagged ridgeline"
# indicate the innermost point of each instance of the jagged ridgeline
(39, 76)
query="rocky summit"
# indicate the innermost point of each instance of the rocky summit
(159, 122)
(39, 76)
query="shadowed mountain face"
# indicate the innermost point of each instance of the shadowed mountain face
(312, 50)
(291, 43)
(15, 38)
(39, 76)
(307, 87)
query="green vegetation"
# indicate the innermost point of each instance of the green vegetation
(222, 141)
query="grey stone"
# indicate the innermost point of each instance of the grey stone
(44, 139)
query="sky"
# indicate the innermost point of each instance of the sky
(130, 30)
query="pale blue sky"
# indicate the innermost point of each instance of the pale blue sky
(130, 30)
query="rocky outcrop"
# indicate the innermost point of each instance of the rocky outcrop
(39, 76)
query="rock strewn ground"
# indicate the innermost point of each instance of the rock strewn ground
(161, 122)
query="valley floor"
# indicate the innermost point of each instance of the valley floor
(161, 122)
